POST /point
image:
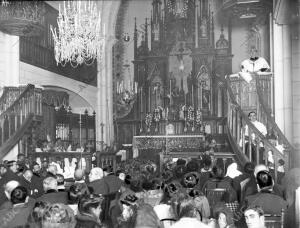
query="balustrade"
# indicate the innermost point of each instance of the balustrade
(238, 120)
(25, 104)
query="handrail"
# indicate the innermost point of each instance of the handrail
(270, 120)
(15, 117)
(237, 119)
(9, 95)
(29, 87)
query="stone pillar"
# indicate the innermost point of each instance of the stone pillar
(9, 60)
(282, 79)
(287, 83)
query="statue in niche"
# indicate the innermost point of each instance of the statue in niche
(204, 87)
(203, 28)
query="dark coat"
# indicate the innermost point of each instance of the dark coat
(270, 202)
(86, 221)
(114, 183)
(52, 196)
(8, 176)
(99, 186)
(16, 216)
(251, 189)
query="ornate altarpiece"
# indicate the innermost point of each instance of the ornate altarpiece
(177, 67)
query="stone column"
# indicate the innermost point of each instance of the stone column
(287, 83)
(9, 60)
(283, 79)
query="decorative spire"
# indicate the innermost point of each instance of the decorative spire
(222, 44)
(146, 34)
(135, 39)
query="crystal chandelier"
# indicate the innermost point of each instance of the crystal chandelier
(127, 93)
(80, 35)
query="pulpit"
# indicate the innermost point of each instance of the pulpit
(246, 94)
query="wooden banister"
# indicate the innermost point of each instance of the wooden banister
(23, 108)
(237, 120)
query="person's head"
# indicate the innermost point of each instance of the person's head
(107, 170)
(19, 195)
(76, 192)
(260, 167)
(264, 181)
(129, 203)
(3, 169)
(21, 157)
(52, 169)
(79, 175)
(50, 183)
(60, 180)
(206, 161)
(38, 211)
(252, 116)
(91, 205)
(13, 166)
(45, 165)
(254, 217)
(9, 187)
(96, 174)
(253, 52)
(192, 166)
(218, 172)
(223, 215)
(58, 215)
(28, 175)
(281, 162)
(186, 207)
(36, 168)
(122, 176)
(249, 168)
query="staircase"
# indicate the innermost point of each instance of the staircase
(255, 96)
(20, 110)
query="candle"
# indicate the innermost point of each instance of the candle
(170, 92)
(141, 100)
(192, 95)
(149, 95)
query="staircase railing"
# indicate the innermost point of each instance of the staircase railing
(9, 95)
(236, 123)
(15, 118)
(265, 115)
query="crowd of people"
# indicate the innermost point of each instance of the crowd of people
(138, 196)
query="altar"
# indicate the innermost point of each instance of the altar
(151, 146)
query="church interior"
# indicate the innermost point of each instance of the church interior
(161, 80)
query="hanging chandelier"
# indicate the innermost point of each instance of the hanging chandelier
(80, 35)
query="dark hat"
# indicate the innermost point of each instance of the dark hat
(264, 180)
(179, 171)
(192, 166)
(191, 179)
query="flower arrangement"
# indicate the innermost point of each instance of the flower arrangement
(198, 117)
(157, 115)
(148, 119)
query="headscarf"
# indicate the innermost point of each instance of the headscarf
(232, 171)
